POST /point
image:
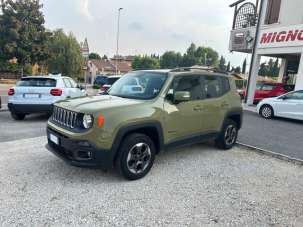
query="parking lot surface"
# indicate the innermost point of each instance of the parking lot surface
(193, 186)
(283, 136)
(33, 126)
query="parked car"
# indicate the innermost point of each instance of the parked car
(37, 94)
(289, 105)
(268, 90)
(110, 80)
(100, 80)
(126, 129)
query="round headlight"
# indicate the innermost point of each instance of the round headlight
(87, 121)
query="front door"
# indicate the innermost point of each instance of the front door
(290, 105)
(184, 119)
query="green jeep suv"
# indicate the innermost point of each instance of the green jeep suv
(143, 113)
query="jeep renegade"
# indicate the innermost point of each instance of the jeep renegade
(126, 127)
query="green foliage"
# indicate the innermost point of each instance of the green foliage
(228, 67)
(270, 68)
(222, 65)
(22, 31)
(237, 69)
(5, 66)
(244, 66)
(64, 54)
(170, 60)
(94, 56)
(145, 62)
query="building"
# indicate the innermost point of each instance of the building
(127, 59)
(105, 67)
(270, 28)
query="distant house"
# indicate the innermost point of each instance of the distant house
(126, 59)
(105, 67)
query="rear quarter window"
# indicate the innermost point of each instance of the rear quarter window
(37, 82)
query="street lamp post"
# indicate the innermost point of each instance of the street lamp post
(118, 33)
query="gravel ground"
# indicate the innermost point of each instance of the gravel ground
(193, 186)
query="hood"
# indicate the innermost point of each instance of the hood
(91, 104)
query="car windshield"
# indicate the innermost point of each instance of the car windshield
(37, 82)
(139, 85)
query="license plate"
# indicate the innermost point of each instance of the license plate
(31, 95)
(54, 139)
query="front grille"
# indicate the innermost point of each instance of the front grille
(64, 117)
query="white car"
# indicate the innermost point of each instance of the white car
(289, 105)
(37, 94)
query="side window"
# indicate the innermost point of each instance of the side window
(67, 83)
(225, 85)
(191, 84)
(267, 87)
(295, 95)
(273, 11)
(73, 83)
(212, 86)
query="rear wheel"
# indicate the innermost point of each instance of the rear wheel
(267, 112)
(136, 156)
(17, 116)
(228, 136)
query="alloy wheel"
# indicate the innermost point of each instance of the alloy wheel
(230, 135)
(138, 158)
(266, 112)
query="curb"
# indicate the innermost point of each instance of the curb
(272, 154)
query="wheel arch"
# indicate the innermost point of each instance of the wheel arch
(236, 116)
(152, 129)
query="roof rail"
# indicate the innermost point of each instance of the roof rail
(208, 69)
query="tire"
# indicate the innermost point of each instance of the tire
(136, 156)
(228, 136)
(18, 116)
(267, 112)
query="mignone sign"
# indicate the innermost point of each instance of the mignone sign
(291, 36)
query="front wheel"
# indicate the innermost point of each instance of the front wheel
(267, 112)
(17, 116)
(136, 156)
(228, 136)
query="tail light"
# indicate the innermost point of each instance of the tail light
(11, 91)
(56, 92)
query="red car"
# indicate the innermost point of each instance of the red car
(268, 90)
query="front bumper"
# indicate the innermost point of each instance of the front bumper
(30, 108)
(79, 152)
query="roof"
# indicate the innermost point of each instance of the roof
(114, 76)
(107, 65)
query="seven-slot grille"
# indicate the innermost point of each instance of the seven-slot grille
(64, 117)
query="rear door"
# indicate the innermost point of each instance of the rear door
(34, 90)
(216, 103)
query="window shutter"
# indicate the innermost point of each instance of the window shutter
(273, 11)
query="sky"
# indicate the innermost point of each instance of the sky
(146, 26)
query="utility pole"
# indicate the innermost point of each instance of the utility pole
(118, 33)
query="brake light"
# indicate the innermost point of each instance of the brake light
(11, 91)
(56, 92)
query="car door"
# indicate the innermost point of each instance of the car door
(290, 105)
(216, 103)
(184, 119)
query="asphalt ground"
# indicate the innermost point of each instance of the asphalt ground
(192, 186)
(283, 136)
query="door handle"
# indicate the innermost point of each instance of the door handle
(197, 108)
(224, 104)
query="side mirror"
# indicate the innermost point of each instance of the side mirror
(182, 96)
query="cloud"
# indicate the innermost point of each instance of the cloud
(83, 9)
(135, 26)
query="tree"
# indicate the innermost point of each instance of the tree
(64, 54)
(104, 57)
(238, 69)
(145, 62)
(244, 66)
(94, 56)
(222, 65)
(228, 67)
(22, 31)
(276, 68)
(170, 59)
(263, 69)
